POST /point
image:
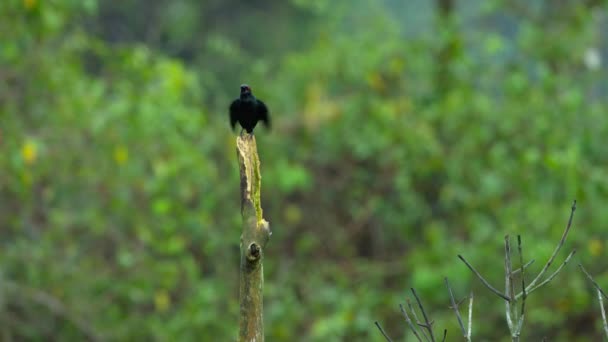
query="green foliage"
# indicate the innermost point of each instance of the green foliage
(391, 153)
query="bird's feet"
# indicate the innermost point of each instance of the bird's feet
(247, 133)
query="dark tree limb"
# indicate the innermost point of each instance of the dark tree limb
(256, 233)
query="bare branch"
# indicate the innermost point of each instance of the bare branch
(528, 264)
(508, 310)
(600, 296)
(455, 307)
(530, 290)
(382, 331)
(445, 334)
(593, 281)
(485, 282)
(418, 324)
(409, 322)
(509, 288)
(557, 249)
(428, 325)
(523, 278)
(600, 299)
(520, 320)
(470, 327)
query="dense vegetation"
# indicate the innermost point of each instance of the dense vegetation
(405, 133)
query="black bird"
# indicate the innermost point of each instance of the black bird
(247, 111)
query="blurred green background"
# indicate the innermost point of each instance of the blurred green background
(405, 133)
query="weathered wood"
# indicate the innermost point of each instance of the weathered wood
(256, 233)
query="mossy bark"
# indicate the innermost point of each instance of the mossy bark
(256, 233)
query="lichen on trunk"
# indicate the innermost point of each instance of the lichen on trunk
(255, 235)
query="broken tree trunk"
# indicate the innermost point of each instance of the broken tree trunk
(256, 233)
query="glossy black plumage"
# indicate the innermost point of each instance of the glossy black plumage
(247, 111)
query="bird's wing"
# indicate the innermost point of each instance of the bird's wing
(263, 113)
(234, 108)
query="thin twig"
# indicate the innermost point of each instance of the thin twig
(601, 300)
(520, 320)
(418, 324)
(525, 266)
(508, 316)
(470, 327)
(508, 303)
(530, 290)
(409, 322)
(485, 282)
(523, 278)
(559, 246)
(593, 281)
(427, 325)
(508, 268)
(509, 288)
(445, 334)
(382, 331)
(455, 307)
(600, 296)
